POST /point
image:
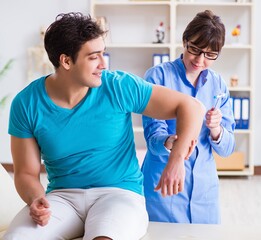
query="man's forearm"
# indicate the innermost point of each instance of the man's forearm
(189, 124)
(28, 187)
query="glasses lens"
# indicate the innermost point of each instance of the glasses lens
(211, 55)
(196, 51)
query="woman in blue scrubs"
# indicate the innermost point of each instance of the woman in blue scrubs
(203, 40)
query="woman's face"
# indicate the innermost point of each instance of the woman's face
(196, 59)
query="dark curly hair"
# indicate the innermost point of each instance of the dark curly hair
(68, 33)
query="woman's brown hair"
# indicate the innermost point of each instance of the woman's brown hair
(206, 30)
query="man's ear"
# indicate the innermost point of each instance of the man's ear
(65, 61)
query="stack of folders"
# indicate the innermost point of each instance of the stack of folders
(159, 58)
(241, 109)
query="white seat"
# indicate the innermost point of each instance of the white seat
(10, 201)
(10, 204)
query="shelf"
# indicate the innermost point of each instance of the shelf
(138, 45)
(240, 89)
(246, 172)
(236, 46)
(222, 4)
(243, 131)
(132, 3)
(132, 26)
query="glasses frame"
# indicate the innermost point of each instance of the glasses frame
(200, 52)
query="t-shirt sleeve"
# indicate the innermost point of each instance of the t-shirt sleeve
(18, 120)
(131, 92)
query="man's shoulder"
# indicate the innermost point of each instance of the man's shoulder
(30, 90)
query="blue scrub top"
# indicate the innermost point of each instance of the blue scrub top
(199, 201)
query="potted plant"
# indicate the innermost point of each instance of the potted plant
(3, 71)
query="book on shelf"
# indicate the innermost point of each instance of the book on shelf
(159, 58)
(241, 110)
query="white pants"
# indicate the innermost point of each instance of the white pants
(113, 212)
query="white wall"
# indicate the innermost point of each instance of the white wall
(20, 22)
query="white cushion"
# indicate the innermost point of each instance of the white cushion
(10, 202)
(2, 234)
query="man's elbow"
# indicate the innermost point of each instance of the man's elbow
(198, 107)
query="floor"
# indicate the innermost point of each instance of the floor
(240, 199)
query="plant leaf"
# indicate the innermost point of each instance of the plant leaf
(6, 67)
(3, 101)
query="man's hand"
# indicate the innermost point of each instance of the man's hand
(39, 211)
(171, 139)
(172, 178)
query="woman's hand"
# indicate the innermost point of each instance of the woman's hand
(213, 120)
(171, 139)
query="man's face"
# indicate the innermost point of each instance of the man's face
(90, 63)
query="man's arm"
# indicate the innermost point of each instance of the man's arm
(27, 165)
(167, 104)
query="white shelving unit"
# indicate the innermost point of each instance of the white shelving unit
(132, 26)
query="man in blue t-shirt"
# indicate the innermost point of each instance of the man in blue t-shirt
(78, 120)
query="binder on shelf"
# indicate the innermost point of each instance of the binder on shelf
(156, 59)
(160, 58)
(231, 100)
(245, 113)
(237, 111)
(164, 58)
(107, 59)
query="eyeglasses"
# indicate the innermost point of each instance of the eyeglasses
(197, 52)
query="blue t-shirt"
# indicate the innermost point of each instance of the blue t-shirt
(91, 145)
